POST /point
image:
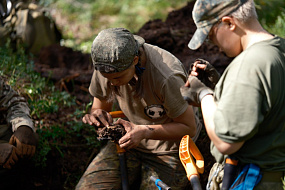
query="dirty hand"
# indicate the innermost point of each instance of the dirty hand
(100, 118)
(194, 91)
(8, 155)
(205, 72)
(134, 135)
(25, 140)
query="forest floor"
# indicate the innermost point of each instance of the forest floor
(72, 70)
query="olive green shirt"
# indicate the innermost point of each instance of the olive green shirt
(251, 104)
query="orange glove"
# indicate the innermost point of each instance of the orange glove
(25, 140)
(8, 155)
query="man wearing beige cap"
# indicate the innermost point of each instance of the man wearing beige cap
(245, 114)
(145, 80)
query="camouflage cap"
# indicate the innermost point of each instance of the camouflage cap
(114, 49)
(206, 13)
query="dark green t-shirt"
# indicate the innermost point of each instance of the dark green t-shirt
(251, 104)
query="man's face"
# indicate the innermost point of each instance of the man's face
(224, 36)
(121, 78)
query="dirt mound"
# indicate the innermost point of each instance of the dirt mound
(174, 35)
(72, 70)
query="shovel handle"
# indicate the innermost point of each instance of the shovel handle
(195, 182)
(117, 114)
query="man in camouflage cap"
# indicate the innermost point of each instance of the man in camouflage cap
(245, 114)
(17, 134)
(145, 81)
(206, 14)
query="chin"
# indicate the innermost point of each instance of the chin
(229, 54)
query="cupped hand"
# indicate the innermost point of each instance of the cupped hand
(8, 155)
(205, 72)
(134, 135)
(194, 90)
(98, 117)
(25, 140)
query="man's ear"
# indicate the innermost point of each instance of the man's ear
(136, 60)
(230, 22)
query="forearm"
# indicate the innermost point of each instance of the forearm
(169, 131)
(209, 107)
(185, 124)
(101, 104)
(17, 109)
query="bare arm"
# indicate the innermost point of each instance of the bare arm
(182, 125)
(209, 107)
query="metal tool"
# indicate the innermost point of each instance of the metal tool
(159, 183)
(193, 168)
(122, 157)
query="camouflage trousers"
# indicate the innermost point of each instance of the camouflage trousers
(104, 170)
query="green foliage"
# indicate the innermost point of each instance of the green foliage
(45, 99)
(278, 27)
(283, 181)
(88, 17)
(268, 11)
(272, 15)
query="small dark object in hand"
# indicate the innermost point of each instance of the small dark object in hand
(113, 133)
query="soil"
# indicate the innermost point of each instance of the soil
(72, 70)
(113, 133)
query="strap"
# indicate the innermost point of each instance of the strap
(156, 181)
(248, 178)
(253, 177)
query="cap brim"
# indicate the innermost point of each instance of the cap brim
(140, 40)
(199, 37)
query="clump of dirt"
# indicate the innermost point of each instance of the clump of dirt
(72, 70)
(112, 132)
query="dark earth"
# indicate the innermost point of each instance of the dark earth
(72, 70)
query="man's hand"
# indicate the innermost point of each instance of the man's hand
(205, 72)
(25, 140)
(134, 135)
(194, 91)
(100, 118)
(8, 155)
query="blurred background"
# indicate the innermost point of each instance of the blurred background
(80, 21)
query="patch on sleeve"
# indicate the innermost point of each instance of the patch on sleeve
(154, 111)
